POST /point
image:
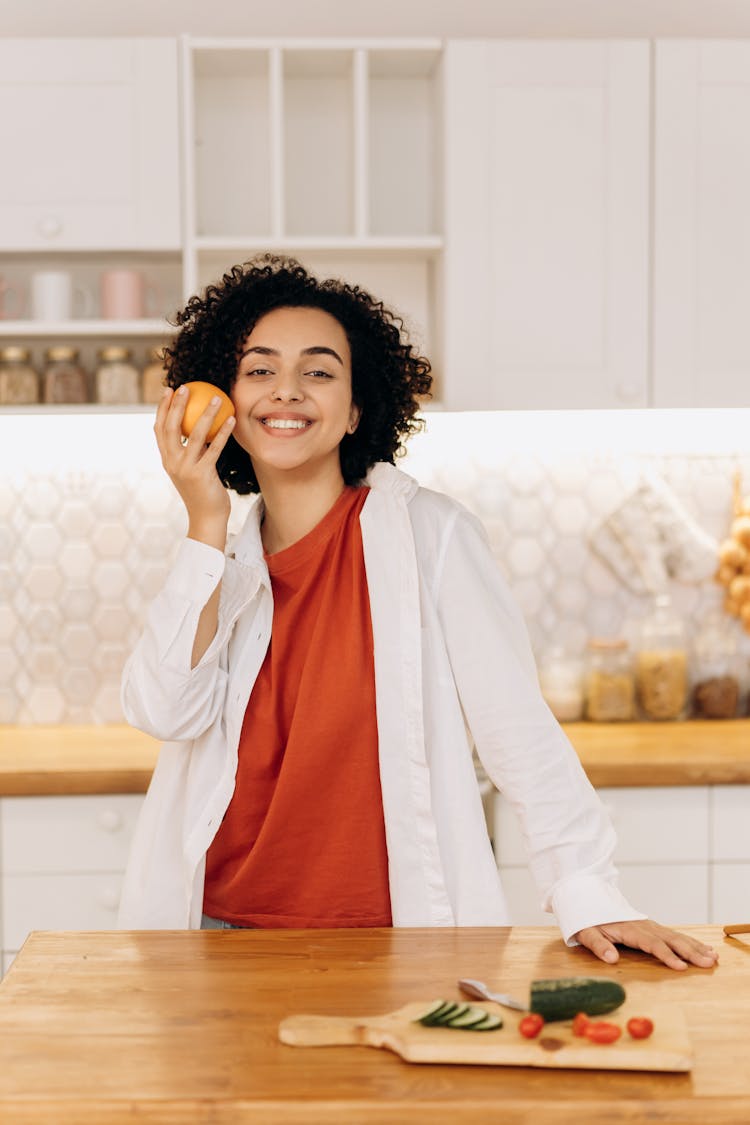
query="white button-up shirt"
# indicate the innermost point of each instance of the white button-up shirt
(453, 665)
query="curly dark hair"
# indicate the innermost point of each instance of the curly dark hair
(387, 373)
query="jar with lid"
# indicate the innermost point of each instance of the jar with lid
(714, 670)
(661, 674)
(152, 377)
(116, 379)
(64, 378)
(19, 382)
(610, 683)
(561, 682)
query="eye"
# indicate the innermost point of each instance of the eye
(319, 374)
(257, 371)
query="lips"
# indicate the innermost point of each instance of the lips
(286, 424)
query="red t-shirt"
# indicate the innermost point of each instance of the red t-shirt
(302, 843)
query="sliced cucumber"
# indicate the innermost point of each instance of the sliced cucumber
(491, 1022)
(438, 1012)
(461, 1017)
(467, 1019)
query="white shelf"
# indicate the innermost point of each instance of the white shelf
(79, 328)
(422, 244)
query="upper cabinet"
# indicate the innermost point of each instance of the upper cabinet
(702, 224)
(547, 224)
(89, 133)
(328, 150)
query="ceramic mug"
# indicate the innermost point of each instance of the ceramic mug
(53, 296)
(124, 295)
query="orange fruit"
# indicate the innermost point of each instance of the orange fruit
(199, 397)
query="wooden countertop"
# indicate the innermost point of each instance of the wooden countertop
(51, 760)
(171, 1027)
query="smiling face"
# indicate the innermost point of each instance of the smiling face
(293, 393)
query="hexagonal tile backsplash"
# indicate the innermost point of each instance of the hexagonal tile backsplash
(83, 552)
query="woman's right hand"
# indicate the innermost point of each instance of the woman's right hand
(191, 466)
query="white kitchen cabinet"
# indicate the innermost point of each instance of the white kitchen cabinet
(63, 860)
(89, 133)
(547, 224)
(663, 853)
(327, 150)
(701, 347)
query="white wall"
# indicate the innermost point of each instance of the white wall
(643, 18)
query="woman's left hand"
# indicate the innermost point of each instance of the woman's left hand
(676, 950)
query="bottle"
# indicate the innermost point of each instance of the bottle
(64, 378)
(610, 683)
(560, 679)
(661, 664)
(19, 382)
(116, 380)
(152, 378)
(716, 686)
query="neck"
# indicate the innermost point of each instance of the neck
(293, 506)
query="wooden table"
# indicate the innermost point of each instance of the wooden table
(102, 1028)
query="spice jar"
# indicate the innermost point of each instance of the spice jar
(64, 378)
(716, 686)
(19, 382)
(661, 673)
(610, 685)
(152, 377)
(560, 679)
(116, 378)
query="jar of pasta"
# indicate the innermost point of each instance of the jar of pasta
(64, 378)
(19, 382)
(116, 379)
(610, 686)
(661, 667)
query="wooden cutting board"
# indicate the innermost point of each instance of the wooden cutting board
(667, 1049)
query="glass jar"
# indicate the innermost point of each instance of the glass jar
(152, 377)
(19, 382)
(610, 684)
(561, 681)
(661, 670)
(116, 380)
(64, 378)
(714, 670)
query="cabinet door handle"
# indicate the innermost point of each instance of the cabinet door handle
(628, 392)
(108, 898)
(49, 226)
(110, 820)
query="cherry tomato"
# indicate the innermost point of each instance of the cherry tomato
(531, 1025)
(580, 1023)
(640, 1027)
(602, 1032)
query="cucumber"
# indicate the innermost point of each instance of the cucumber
(466, 1020)
(563, 998)
(461, 1017)
(438, 1012)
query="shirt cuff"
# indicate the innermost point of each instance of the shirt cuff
(589, 900)
(197, 571)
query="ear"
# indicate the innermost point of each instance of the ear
(354, 416)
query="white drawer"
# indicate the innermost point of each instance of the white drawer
(730, 898)
(675, 894)
(48, 834)
(58, 902)
(662, 824)
(523, 898)
(730, 823)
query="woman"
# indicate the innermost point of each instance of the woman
(314, 681)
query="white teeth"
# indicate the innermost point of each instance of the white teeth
(284, 423)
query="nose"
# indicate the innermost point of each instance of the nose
(287, 388)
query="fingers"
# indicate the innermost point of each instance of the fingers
(599, 944)
(675, 950)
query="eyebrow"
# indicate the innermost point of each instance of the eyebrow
(316, 349)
